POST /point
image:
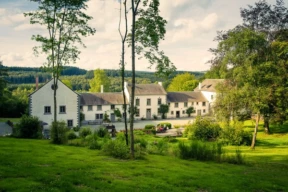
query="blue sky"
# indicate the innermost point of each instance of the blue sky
(192, 26)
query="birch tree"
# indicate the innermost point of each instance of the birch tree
(65, 22)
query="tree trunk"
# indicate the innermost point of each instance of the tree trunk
(266, 124)
(253, 144)
(132, 110)
(123, 40)
(55, 97)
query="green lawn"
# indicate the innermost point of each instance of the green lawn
(37, 165)
(14, 120)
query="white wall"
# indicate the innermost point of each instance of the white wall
(154, 105)
(45, 97)
(91, 115)
(181, 107)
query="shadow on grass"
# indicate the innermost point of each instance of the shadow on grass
(279, 128)
(265, 143)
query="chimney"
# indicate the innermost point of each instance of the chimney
(160, 83)
(200, 86)
(36, 82)
(102, 88)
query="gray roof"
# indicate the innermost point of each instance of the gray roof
(101, 99)
(185, 96)
(147, 89)
(209, 85)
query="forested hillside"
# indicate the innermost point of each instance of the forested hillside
(79, 78)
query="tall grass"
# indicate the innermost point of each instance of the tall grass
(205, 151)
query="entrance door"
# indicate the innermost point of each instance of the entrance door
(177, 114)
(112, 117)
(148, 113)
(199, 112)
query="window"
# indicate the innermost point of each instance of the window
(159, 101)
(137, 113)
(212, 97)
(137, 102)
(172, 112)
(70, 123)
(185, 104)
(112, 106)
(62, 109)
(99, 116)
(81, 108)
(90, 108)
(176, 105)
(159, 112)
(148, 102)
(196, 103)
(203, 103)
(183, 112)
(192, 103)
(204, 111)
(168, 104)
(99, 107)
(47, 110)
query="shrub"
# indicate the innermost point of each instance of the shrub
(84, 131)
(76, 129)
(235, 135)
(155, 117)
(158, 147)
(149, 126)
(71, 135)
(93, 141)
(143, 118)
(58, 132)
(202, 129)
(200, 151)
(102, 132)
(116, 148)
(165, 124)
(28, 127)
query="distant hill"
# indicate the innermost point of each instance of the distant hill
(80, 77)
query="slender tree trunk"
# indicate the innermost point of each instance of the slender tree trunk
(123, 40)
(266, 124)
(253, 144)
(132, 109)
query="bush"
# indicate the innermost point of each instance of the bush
(58, 132)
(158, 147)
(149, 126)
(165, 124)
(28, 127)
(116, 148)
(76, 129)
(200, 151)
(71, 135)
(235, 135)
(202, 129)
(84, 131)
(155, 117)
(93, 141)
(102, 131)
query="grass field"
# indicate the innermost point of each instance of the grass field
(14, 120)
(37, 165)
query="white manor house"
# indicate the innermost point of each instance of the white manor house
(148, 98)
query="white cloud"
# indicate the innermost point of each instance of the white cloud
(209, 21)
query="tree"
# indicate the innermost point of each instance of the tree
(67, 82)
(183, 82)
(189, 111)
(163, 109)
(66, 23)
(122, 63)
(146, 33)
(247, 58)
(3, 85)
(100, 78)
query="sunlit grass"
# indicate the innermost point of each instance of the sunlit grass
(14, 120)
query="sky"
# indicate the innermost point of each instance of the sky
(190, 32)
